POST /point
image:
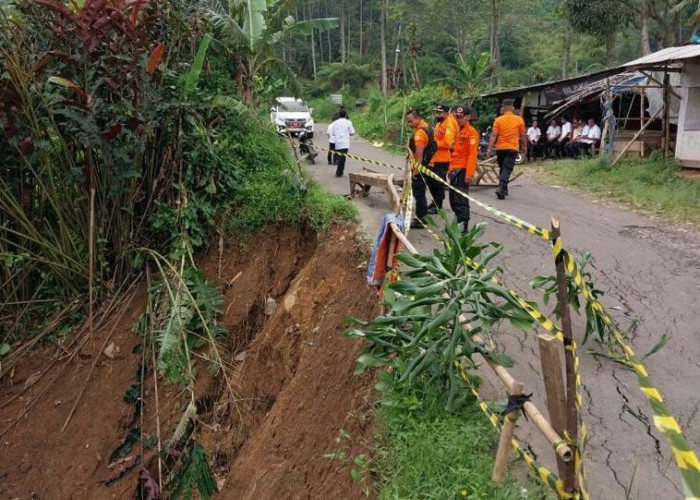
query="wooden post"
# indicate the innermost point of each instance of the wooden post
(641, 122)
(667, 115)
(556, 396)
(499, 467)
(605, 138)
(565, 311)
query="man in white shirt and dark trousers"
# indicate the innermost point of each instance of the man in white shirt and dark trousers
(533, 139)
(332, 157)
(590, 137)
(553, 132)
(342, 130)
(564, 137)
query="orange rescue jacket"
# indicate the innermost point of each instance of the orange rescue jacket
(466, 150)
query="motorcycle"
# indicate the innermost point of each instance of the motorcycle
(306, 147)
(484, 146)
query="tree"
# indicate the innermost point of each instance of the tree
(601, 18)
(495, 47)
(252, 31)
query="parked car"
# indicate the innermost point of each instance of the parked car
(291, 115)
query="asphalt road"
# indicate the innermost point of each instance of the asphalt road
(650, 273)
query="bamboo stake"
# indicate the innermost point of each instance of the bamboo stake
(402, 238)
(641, 121)
(554, 389)
(667, 115)
(499, 468)
(605, 138)
(562, 450)
(563, 301)
(91, 263)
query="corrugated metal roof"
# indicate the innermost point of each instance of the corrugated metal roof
(666, 56)
(539, 86)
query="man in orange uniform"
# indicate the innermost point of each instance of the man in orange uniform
(508, 134)
(463, 164)
(419, 145)
(445, 132)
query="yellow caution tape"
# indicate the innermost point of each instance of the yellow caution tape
(686, 459)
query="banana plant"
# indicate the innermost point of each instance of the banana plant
(251, 32)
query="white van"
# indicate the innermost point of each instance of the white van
(291, 115)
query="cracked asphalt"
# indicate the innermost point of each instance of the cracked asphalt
(649, 272)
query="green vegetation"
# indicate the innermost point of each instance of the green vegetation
(426, 452)
(425, 341)
(275, 189)
(651, 185)
(124, 153)
(150, 129)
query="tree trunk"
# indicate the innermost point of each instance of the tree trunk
(328, 33)
(495, 48)
(395, 72)
(382, 36)
(349, 44)
(361, 30)
(461, 41)
(567, 52)
(646, 45)
(313, 46)
(342, 34)
(611, 48)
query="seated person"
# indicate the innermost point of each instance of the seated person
(533, 140)
(576, 135)
(590, 138)
(564, 137)
(553, 132)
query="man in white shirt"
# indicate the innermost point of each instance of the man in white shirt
(342, 130)
(332, 157)
(533, 139)
(590, 137)
(553, 132)
(564, 137)
(576, 136)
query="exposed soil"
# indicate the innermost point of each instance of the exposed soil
(286, 295)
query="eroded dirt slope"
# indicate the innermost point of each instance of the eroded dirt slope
(286, 294)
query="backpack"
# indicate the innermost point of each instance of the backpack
(430, 148)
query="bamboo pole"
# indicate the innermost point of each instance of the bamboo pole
(394, 197)
(562, 450)
(629, 144)
(641, 121)
(402, 238)
(605, 138)
(565, 311)
(499, 467)
(667, 114)
(555, 392)
(91, 263)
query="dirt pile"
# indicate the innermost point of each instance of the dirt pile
(286, 295)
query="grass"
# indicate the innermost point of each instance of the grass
(424, 452)
(652, 185)
(273, 189)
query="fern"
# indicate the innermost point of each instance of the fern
(193, 474)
